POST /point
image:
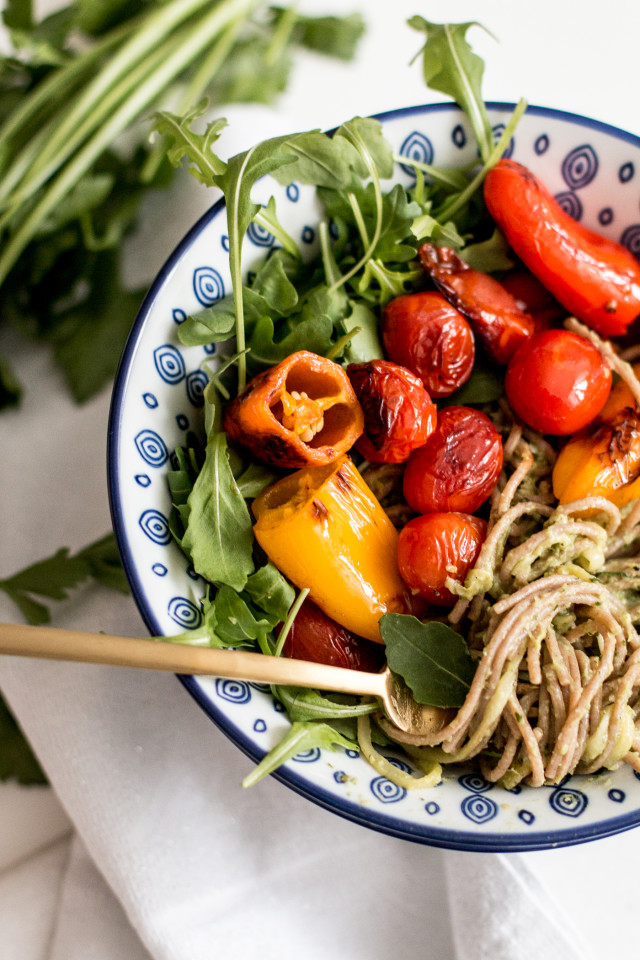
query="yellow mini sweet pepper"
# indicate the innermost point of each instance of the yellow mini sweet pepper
(325, 530)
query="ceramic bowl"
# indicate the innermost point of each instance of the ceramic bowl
(594, 171)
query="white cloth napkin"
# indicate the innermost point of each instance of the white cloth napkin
(145, 846)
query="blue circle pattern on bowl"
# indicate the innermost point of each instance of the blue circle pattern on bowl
(592, 170)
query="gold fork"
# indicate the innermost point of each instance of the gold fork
(56, 644)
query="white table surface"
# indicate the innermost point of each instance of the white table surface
(580, 57)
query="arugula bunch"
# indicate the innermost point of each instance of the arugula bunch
(369, 238)
(75, 161)
(55, 576)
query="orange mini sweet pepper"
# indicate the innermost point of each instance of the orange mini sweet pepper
(325, 530)
(303, 411)
(603, 460)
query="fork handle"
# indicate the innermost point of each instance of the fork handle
(52, 643)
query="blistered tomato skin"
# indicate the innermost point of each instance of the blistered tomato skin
(423, 332)
(594, 278)
(435, 547)
(458, 466)
(557, 382)
(316, 637)
(398, 412)
(494, 314)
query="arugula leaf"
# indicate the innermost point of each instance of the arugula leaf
(489, 255)
(214, 324)
(427, 227)
(272, 293)
(236, 623)
(335, 36)
(236, 180)
(252, 74)
(398, 216)
(374, 150)
(104, 565)
(300, 738)
(18, 15)
(254, 478)
(202, 161)
(277, 284)
(396, 241)
(450, 66)
(10, 389)
(325, 161)
(54, 577)
(304, 704)
(313, 333)
(358, 148)
(485, 385)
(267, 218)
(271, 592)
(219, 537)
(206, 634)
(180, 482)
(17, 760)
(365, 344)
(90, 336)
(433, 660)
(240, 619)
(380, 283)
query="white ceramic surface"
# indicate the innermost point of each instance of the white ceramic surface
(595, 172)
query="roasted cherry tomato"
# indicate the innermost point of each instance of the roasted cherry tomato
(534, 298)
(594, 278)
(423, 332)
(494, 315)
(603, 460)
(315, 636)
(437, 546)
(557, 382)
(398, 412)
(458, 466)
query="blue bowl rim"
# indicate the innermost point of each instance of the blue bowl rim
(467, 841)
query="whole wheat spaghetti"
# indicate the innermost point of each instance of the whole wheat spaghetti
(550, 612)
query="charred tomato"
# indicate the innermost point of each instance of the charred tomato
(316, 637)
(398, 412)
(494, 314)
(458, 466)
(423, 332)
